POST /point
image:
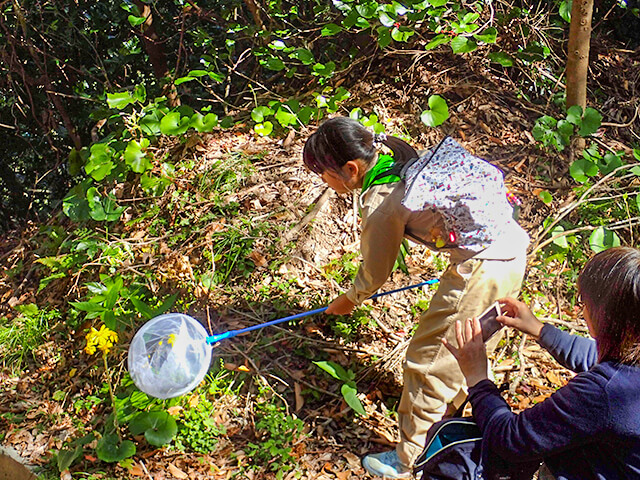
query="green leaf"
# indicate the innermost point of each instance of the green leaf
(150, 123)
(565, 10)
(324, 70)
(462, 44)
(66, 457)
(401, 34)
(582, 169)
(502, 58)
(304, 55)
(437, 3)
(204, 123)
(436, 41)
(561, 241)
(602, 239)
(264, 129)
(173, 124)
(285, 118)
(158, 426)
(546, 197)
(258, 114)
(609, 163)
(574, 115)
(146, 311)
(384, 37)
(331, 29)
(99, 163)
(386, 20)
(591, 121)
(274, 63)
(489, 35)
(120, 100)
(181, 80)
(335, 370)
(135, 21)
(136, 157)
(75, 205)
(438, 111)
(350, 395)
(305, 114)
(110, 449)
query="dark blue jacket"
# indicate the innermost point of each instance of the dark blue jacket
(588, 429)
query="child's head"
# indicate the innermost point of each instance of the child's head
(341, 140)
(609, 286)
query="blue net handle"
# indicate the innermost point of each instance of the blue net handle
(232, 333)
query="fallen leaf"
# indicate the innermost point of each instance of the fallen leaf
(343, 475)
(298, 394)
(176, 472)
(175, 410)
(194, 401)
(554, 378)
(136, 471)
(72, 372)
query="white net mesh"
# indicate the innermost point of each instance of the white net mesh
(169, 355)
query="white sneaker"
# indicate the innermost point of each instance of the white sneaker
(385, 464)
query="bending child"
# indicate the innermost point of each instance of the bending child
(468, 220)
(590, 428)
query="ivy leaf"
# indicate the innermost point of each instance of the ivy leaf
(462, 44)
(119, 101)
(136, 157)
(401, 34)
(173, 124)
(274, 63)
(436, 41)
(609, 163)
(324, 70)
(158, 426)
(99, 163)
(602, 239)
(350, 395)
(75, 205)
(386, 20)
(591, 121)
(574, 115)
(502, 58)
(285, 118)
(109, 448)
(488, 36)
(438, 111)
(384, 37)
(582, 169)
(304, 55)
(264, 129)
(331, 29)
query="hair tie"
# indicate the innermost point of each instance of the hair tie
(379, 139)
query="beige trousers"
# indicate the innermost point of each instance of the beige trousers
(432, 378)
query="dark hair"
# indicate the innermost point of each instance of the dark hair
(342, 139)
(609, 285)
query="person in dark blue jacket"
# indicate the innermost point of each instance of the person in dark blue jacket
(590, 428)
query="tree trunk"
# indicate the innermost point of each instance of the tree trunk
(578, 52)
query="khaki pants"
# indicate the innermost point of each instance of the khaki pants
(432, 378)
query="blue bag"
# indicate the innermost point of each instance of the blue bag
(454, 451)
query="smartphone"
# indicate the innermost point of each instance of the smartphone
(488, 321)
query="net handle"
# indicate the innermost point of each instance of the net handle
(232, 333)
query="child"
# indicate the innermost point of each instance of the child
(590, 428)
(344, 154)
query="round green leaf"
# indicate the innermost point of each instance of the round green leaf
(136, 157)
(158, 426)
(258, 114)
(285, 118)
(204, 123)
(602, 239)
(264, 129)
(582, 169)
(324, 70)
(274, 63)
(438, 111)
(386, 20)
(574, 114)
(304, 55)
(565, 10)
(436, 41)
(99, 163)
(545, 197)
(437, 3)
(173, 124)
(401, 34)
(560, 241)
(591, 121)
(135, 21)
(109, 448)
(384, 37)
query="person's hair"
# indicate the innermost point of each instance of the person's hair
(609, 286)
(342, 139)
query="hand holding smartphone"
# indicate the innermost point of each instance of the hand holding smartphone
(488, 321)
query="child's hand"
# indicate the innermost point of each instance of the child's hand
(340, 306)
(517, 315)
(471, 353)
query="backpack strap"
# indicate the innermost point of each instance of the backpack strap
(386, 170)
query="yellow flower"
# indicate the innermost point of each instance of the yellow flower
(102, 340)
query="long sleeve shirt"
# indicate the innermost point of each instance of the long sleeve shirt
(588, 429)
(385, 222)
